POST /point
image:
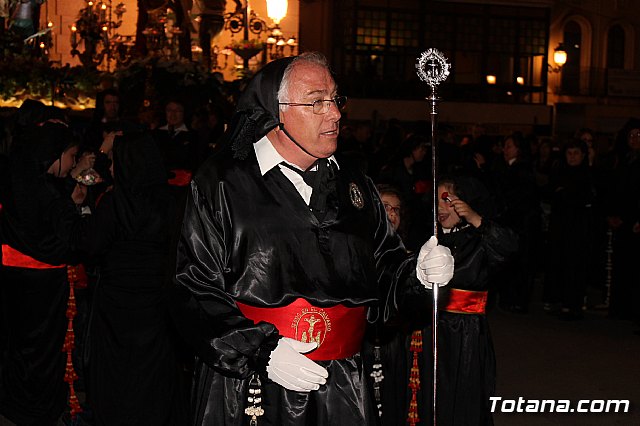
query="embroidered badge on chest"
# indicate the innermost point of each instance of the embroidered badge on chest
(356, 196)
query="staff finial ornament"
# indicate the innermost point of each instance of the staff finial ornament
(432, 67)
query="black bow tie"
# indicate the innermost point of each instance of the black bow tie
(322, 182)
(313, 176)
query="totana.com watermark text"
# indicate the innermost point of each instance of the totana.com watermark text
(522, 405)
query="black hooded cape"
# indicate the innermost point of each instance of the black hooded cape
(37, 219)
(133, 374)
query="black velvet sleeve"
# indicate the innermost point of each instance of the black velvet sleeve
(204, 312)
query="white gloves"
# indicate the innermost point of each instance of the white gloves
(435, 264)
(294, 371)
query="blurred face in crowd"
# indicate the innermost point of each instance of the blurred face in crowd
(634, 139)
(510, 150)
(574, 156)
(419, 152)
(392, 206)
(544, 150)
(174, 114)
(111, 105)
(447, 215)
(63, 165)
(317, 133)
(587, 138)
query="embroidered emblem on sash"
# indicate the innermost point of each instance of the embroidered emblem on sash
(356, 196)
(311, 325)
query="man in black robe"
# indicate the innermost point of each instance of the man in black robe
(286, 252)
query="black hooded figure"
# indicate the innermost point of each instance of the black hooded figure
(37, 218)
(133, 375)
(256, 266)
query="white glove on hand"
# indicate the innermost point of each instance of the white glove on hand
(294, 371)
(435, 264)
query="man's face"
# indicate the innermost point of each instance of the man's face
(419, 152)
(510, 150)
(174, 114)
(317, 133)
(574, 156)
(634, 139)
(111, 106)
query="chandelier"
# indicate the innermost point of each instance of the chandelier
(95, 29)
(251, 36)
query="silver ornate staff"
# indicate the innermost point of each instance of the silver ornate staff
(433, 69)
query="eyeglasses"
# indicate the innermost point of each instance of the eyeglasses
(391, 209)
(321, 106)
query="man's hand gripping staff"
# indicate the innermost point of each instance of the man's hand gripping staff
(435, 264)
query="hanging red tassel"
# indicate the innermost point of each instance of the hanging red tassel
(77, 276)
(70, 375)
(414, 378)
(74, 404)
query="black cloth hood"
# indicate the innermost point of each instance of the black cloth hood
(257, 112)
(41, 136)
(142, 201)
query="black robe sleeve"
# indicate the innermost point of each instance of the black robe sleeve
(207, 316)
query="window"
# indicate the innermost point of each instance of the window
(571, 69)
(378, 43)
(615, 47)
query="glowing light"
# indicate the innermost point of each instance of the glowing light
(277, 10)
(560, 57)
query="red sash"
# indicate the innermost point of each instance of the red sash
(466, 301)
(12, 257)
(338, 330)
(181, 177)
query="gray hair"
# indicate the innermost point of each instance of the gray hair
(316, 58)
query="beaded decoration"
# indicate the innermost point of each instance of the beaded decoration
(254, 400)
(378, 377)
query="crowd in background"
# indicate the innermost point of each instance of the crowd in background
(574, 205)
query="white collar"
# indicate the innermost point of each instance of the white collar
(180, 128)
(268, 157)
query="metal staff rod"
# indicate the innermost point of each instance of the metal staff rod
(433, 68)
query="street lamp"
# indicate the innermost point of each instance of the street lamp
(559, 57)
